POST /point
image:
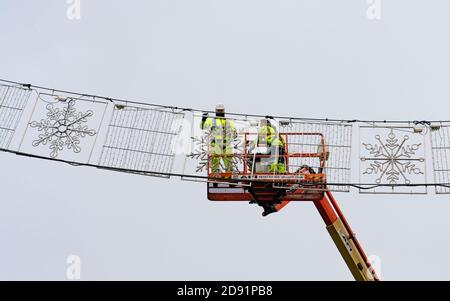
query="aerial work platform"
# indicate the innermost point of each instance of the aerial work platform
(250, 181)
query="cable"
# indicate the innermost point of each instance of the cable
(110, 99)
(362, 186)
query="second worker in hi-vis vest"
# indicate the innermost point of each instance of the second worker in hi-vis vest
(268, 149)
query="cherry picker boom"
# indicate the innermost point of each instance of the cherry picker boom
(273, 191)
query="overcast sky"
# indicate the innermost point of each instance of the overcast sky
(316, 58)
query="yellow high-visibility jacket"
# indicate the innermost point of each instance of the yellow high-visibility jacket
(222, 130)
(269, 135)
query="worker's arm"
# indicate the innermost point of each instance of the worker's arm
(232, 129)
(206, 122)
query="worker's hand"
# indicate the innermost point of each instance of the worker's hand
(204, 117)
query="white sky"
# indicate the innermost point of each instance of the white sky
(316, 58)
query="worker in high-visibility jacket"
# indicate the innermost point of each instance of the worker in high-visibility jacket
(269, 136)
(221, 132)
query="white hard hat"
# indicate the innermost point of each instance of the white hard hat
(264, 121)
(220, 108)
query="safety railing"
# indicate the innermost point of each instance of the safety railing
(241, 161)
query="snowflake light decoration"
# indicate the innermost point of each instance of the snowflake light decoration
(393, 159)
(63, 128)
(202, 149)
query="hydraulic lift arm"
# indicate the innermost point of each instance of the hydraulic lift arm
(345, 239)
